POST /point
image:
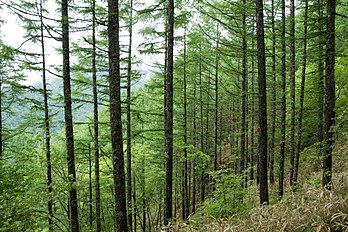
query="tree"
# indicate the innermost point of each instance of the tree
(329, 112)
(283, 106)
(115, 118)
(69, 132)
(262, 103)
(302, 92)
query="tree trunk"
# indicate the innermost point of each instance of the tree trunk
(194, 145)
(283, 108)
(274, 100)
(129, 149)
(302, 92)
(169, 115)
(321, 91)
(69, 133)
(115, 118)
(262, 103)
(186, 205)
(244, 77)
(46, 126)
(90, 200)
(329, 113)
(292, 90)
(252, 129)
(201, 124)
(95, 123)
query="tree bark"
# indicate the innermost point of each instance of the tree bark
(95, 123)
(169, 115)
(329, 113)
(115, 118)
(262, 103)
(46, 125)
(302, 92)
(292, 90)
(128, 100)
(283, 107)
(69, 132)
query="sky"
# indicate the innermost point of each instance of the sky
(12, 33)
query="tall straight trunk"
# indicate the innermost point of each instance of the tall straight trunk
(194, 145)
(321, 91)
(244, 77)
(95, 123)
(129, 148)
(329, 113)
(283, 108)
(69, 132)
(274, 100)
(262, 104)
(115, 118)
(201, 124)
(252, 129)
(169, 115)
(90, 190)
(46, 125)
(302, 92)
(143, 197)
(292, 90)
(216, 102)
(185, 190)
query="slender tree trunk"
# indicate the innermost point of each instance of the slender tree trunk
(320, 81)
(302, 92)
(244, 77)
(115, 118)
(143, 197)
(252, 132)
(283, 107)
(262, 103)
(169, 115)
(194, 145)
(95, 123)
(216, 102)
(129, 149)
(69, 133)
(90, 189)
(330, 95)
(185, 190)
(274, 101)
(292, 90)
(201, 124)
(47, 125)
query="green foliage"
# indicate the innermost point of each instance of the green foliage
(229, 197)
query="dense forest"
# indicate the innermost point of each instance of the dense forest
(171, 115)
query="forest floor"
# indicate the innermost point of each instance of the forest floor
(310, 208)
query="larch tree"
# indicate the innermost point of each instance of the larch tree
(329, 113)
(169, 114)
(262, 103)
(69, 132)
(120, 209)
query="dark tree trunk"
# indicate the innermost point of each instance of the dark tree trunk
(283, 107)
(201, 125)
(95, 123)
(262, 103)
(115, 118)
(215, 164)
(195, 145)
(46, 125)
(252, 129)
(321, 91)
(329, 113)
(69, 133)
(129, 149)
(244, 76)
(90, 189)
(274, 101)
(169, 115)
(185, 190)
(302, 92)
(292, 90)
